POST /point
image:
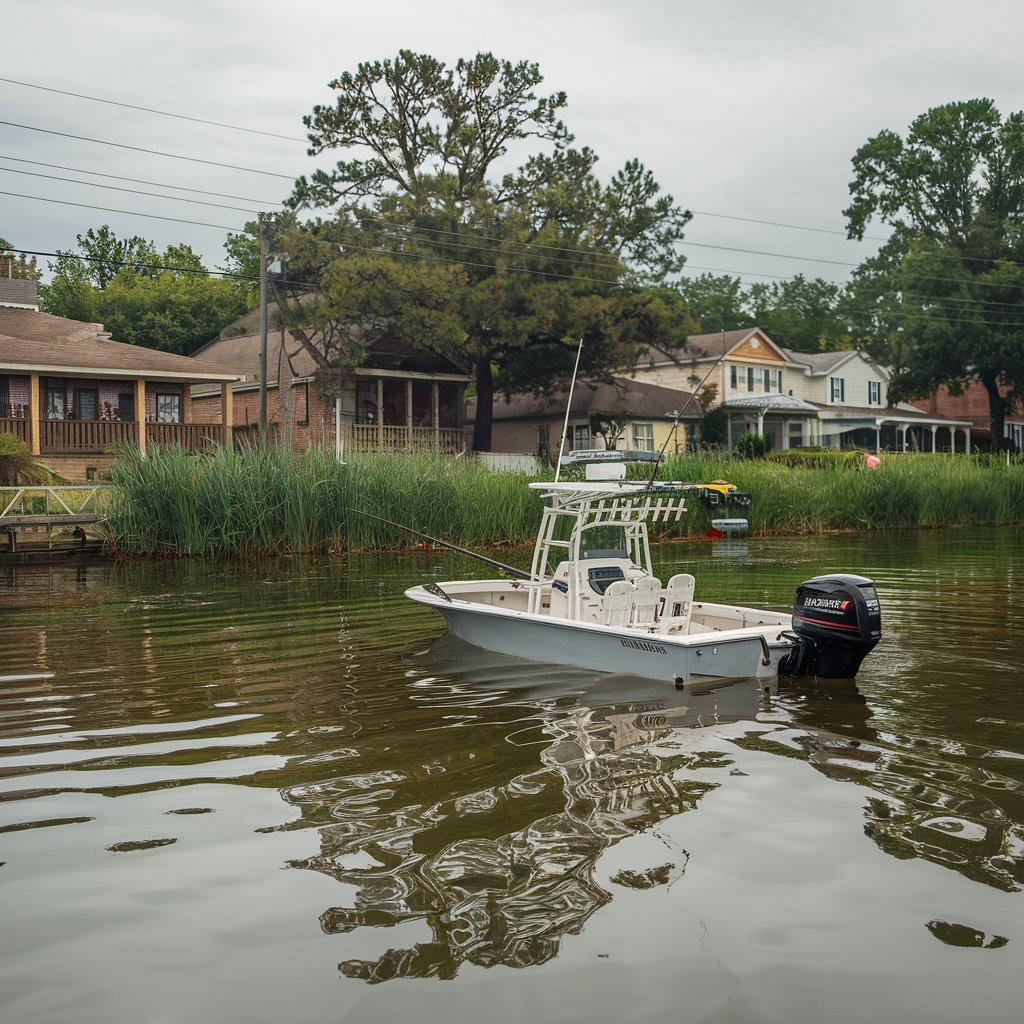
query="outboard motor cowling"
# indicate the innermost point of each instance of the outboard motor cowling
(838, 622)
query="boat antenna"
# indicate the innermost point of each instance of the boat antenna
(568, 409)
(679, 414)
(494, 563)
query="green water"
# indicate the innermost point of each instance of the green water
(281, 794)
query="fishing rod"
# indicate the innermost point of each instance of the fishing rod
(494, 563)
(679, 414)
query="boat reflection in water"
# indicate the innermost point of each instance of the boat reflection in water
(942, 801)
(597, 773)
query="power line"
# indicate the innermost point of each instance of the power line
(778, 224)
(136, 264)
(903, 312)
(129, 213)
(152, 152)
(151, 110)
(118, 188)
(261, 204)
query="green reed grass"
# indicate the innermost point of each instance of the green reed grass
(263, 502)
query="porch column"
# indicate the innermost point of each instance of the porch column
(878, 436)
(140, 413)
(227, 415)
(785, 435)
(35, 422)
(435, 412)
(967, 440)
(934, 432)
(728, 430)
(380, 413)
(408, 415)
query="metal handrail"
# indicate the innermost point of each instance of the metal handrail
(53, 497)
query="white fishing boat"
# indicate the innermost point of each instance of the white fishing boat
(591, 599)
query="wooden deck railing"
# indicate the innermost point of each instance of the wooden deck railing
(371, 437)
(16, 426)
(68, 437)
(191, 436)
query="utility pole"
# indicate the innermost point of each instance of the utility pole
(263, 333)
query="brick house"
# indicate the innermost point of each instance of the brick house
(71, 393)
(532, 424)
(972, 406)
(396, 400)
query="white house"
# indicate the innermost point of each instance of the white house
(835, 399)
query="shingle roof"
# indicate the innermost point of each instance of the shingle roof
(30, 340)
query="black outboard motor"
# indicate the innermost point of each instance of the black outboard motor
(837, 622)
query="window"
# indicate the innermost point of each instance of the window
(778, 381)
(543, 440)
(643, 436)
(580, 437)
(750, 378)
(56, 400)
(874, 392)
(838, 389)
(448, 404)
(5, 397)
(733, 374)
(87, 404)
(366, 401)
(302, 390)
(168, 408)
(126, 407)
(767, 375)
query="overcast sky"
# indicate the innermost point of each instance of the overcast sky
(741, 109)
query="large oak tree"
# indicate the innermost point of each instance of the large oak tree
(544, 254)
(943, 298)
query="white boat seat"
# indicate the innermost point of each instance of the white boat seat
(616, 603)
(646, 595)
(678, 604)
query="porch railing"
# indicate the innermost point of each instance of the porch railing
(16, 426)
(370, 437)
(191, 436)
(68, 437)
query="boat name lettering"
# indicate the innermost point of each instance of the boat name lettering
(643, 645)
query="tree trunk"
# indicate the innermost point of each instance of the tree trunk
(996, 410)
(484, 406)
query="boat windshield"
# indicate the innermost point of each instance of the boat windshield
(604, 542)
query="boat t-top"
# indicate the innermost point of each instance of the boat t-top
(591, 599)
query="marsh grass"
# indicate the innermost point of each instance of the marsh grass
(257, 503)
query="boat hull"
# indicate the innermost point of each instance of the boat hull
(733, 654)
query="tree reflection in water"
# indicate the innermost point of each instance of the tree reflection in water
(509, 898)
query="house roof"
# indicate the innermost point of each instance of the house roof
(33, 342)
(901, 412)
(772, 403)
(821, 363)
(700, 348)
(638, 400)
(243, 350)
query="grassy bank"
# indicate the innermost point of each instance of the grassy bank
(254, 503)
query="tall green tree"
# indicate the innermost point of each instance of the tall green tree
(546, 254)
(119, 283)
(952, 191)
(17, 265)
(804, 315)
